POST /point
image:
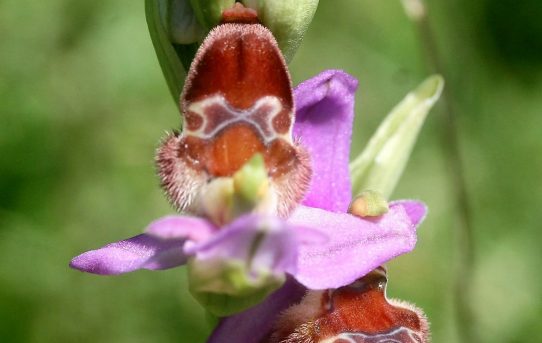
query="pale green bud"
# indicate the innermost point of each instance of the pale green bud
(287, 19)
(381, 164)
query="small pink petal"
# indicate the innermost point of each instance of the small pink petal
(161, 247)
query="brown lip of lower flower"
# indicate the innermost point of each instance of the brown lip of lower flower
(359, 312)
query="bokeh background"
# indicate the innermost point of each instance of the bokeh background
(83, 106)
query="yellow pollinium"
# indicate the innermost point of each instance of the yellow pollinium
(369, 204)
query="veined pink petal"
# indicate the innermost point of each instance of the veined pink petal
(161, 247)
(356, 246)
(323, 124)
(140, 252)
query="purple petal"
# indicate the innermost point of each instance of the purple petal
(324, 116)
(356, 246)
(415, 210)
(253, 325)
(161, 247)
(140, 252)
(267, 242)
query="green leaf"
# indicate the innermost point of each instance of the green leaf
(381, 164)
(156, 12)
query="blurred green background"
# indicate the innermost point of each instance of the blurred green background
(83, 106)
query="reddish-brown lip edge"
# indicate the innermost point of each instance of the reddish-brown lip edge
(237, 101)
(359, 312)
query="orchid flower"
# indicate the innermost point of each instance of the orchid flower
(320, 244)
(240, 168)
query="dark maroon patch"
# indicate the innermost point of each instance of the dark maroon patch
(216, 115)
(282, 122)
(193, 121)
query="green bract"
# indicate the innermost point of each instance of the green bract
(382, 162)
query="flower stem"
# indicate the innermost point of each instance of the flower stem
(417, 12)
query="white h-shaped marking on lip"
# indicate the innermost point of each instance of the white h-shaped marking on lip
(349, 336)
(236, 115)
